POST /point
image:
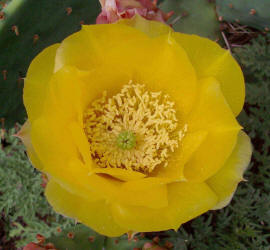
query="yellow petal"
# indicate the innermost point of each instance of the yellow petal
(36, 81)
(96, 215)
(65, 94)
(225, 181)
(211, 155)
(103, 186)
(186, 201)
(24, 135)
(165, 67)
(52, 143)
(48, 160)
(60, 158)
(114, 190)
(63, 112)
(146, 183)
(81, 142)
(211, 111)
(150, 28)
(210, 60)
(55, 144)
(121, 174)
(101, 79)
(160, 63)
(58, 154)
(213, 114)
(109, 188)
(93, 42)
(175, 169)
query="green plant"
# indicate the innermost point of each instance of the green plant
(247, 12)
(24, 208)
(256, 61)
(26, 28)
(193, 17)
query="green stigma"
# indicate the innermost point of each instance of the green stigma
(126, 140)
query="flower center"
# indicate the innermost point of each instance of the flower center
(126, 140)
(135, 129)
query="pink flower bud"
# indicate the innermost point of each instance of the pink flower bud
(113, 10)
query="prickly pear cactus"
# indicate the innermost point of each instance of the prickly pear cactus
(78, 237)
(82, 237)
(123, 243)
(26, 28)
(247, 12)
(193, 17)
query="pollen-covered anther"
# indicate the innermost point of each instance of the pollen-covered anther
(135, 129)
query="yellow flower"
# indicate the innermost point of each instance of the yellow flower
(135, 127)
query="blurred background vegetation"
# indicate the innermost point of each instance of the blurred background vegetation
(242, 26)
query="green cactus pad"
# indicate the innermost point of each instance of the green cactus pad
(26, 28)
(194, 17)
(247, 12)
(122, 243)
(75, 238)
(81, 237)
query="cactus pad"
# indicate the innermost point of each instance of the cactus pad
(26, 28)
(82, 237)
(247, 12)
(193, 17)
(78, 237)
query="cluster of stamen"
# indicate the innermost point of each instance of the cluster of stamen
(134, 129)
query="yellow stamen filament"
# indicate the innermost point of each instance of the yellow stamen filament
(135, 129)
